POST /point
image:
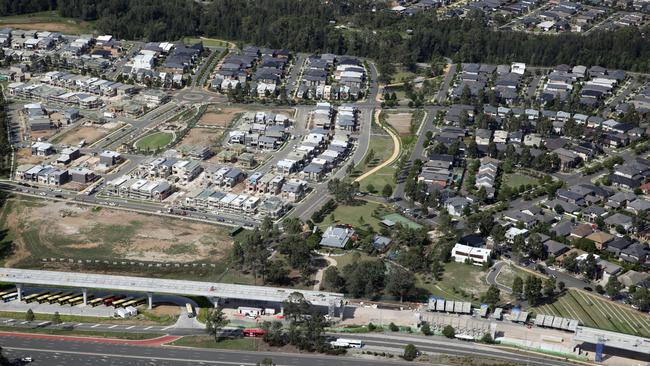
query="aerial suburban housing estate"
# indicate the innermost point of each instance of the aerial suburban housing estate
(349, 182)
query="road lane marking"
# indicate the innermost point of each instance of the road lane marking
(149, 358)
(95, 326)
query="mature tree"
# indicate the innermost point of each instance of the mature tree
(436, 269)
(214, 323)
(641, 298)
(410, 352)
(56, 318)
(400, 283)
(426, 329)
(492, 296)
(29, 316)
(570, 263)
(277, 273)
(533, 290)
(536, 249)
(365, 278)
(517, 287)
(295, 306)
(387, 191)
(613, 287)
(274, 335)
(589, 266)
(549, 286)
(332, 281)
(449, 331)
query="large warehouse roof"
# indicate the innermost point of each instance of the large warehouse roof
(156, 285)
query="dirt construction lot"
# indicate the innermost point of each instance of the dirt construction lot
(90, 133)
(203, 137)
(43, 229)
(401, 122)
(219, 117)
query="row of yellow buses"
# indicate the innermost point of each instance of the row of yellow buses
(74, 298)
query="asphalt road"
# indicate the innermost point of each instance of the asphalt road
(442, 93)
(68, 353)
(492, 276)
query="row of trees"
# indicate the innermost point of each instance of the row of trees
(368, 278)
(305, 26)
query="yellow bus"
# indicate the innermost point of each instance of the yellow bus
(41, 299)
(64, 299)
(33, 297)
(136, 302)
(119, 303)
(190, 310)
(6, 292)
(96, 302)
(76, 300)
(54, 298)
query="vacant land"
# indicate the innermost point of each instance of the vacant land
(43, 229)
(509, 272)
(515, 180)
(594, 312)
(90, 133)
(459, 281)
(207, 42)
(47, 21)
(401, 122)
(202, 137)
(220, 117)
(24, 156)
(154, 141)
(357, 215)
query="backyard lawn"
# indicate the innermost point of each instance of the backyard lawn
(594, 312)
(154, 141)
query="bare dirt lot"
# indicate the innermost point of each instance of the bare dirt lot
(45, 26)
(219, 117)
(90, 133)
(24, 156)
(401, 122)
(203, 137)
(43, 229)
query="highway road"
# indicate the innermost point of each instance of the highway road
(51, 351)
(69, 353)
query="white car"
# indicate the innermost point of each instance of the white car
(26, 359)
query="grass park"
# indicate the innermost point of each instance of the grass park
(381, 146)
(515, 180)
(356, 215)
(154, 141)
(47, 21)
